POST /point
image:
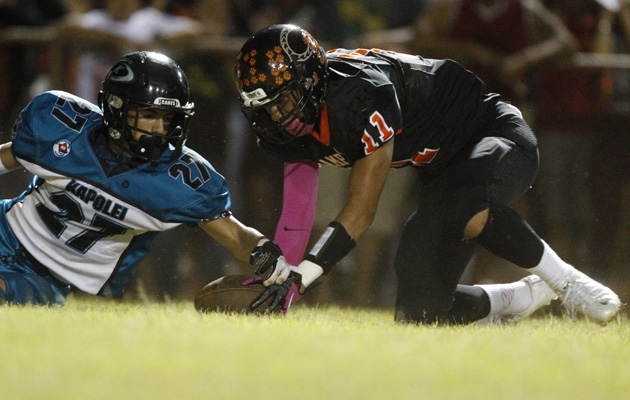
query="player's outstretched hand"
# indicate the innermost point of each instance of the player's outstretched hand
(282, 295)
(268, 258)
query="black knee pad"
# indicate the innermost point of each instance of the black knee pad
(509, 236)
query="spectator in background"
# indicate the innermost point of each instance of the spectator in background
(499, 40)
(30, 12)
(320, 16)
(402, 13)
(24, 64)
(116, 28)
(611, 153)
(21, 64)
(569, 111)
(214, 15)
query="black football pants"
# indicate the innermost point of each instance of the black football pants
(432, 254)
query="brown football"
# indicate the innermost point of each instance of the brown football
(228, 295)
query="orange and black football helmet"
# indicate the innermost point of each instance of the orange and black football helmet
(281, 76)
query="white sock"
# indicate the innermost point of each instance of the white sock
(508, 298)
(552, 269)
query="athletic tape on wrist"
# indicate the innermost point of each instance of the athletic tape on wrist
(334, 244)
(309, 271)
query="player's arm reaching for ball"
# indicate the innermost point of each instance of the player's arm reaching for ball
(367, 179)
(248, 244)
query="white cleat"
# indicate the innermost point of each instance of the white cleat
(541, 295)
(582, 294)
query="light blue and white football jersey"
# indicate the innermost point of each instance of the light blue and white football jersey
(89, 229)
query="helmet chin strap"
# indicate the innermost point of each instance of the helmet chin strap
(149, 147)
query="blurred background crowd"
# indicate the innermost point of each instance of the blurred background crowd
(565, 63)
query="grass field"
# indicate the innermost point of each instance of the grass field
(107, 350)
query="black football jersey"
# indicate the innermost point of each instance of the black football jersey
(430, 108)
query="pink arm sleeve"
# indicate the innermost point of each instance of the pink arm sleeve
(298, 209)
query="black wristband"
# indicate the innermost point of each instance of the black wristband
(331, 247)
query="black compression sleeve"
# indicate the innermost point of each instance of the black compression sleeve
(334, 244)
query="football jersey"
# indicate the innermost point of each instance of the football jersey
(430, 108)
(89, 229)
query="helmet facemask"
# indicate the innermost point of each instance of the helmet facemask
(149, 146)
(284, 116)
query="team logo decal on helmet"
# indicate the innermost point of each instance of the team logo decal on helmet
(122, 73)
(311, 45)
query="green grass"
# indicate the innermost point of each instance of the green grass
(107, 350)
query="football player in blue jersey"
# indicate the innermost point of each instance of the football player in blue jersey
(107, 179)
(371, 110)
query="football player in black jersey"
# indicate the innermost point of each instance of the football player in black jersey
(372, 110)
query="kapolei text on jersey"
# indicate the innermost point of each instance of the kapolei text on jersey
(99, 202)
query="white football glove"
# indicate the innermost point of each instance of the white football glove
(280, 272)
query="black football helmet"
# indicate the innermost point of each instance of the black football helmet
(281, 65)
(146, 80)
